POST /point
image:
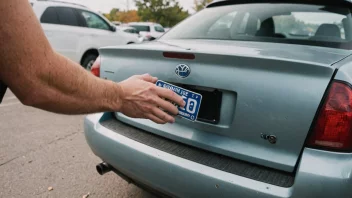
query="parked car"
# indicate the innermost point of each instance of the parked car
(275, 118)
(78, 32)
(116, 23)
(132, 31)
(128, 29)
(149, 31)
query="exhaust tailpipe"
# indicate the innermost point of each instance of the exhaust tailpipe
(103, 168)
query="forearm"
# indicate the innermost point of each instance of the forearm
(67, 88)
(40, 77)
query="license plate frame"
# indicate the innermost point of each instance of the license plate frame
(193, 100)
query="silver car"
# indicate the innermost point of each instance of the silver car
(276, 113)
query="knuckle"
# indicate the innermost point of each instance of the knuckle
(150, 99)
(152, 87)
(153, 100)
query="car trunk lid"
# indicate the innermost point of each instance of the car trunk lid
(266, 93)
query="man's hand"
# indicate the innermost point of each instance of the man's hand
(141, 98)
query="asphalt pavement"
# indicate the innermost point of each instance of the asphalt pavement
(46, 155)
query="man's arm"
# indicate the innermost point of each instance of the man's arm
(40, 77)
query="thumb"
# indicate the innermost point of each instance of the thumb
(148, 78)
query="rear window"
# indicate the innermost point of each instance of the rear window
(305, 24)
(141, 28)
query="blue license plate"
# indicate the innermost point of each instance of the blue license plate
(193, 100)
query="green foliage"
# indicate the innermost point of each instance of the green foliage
(122, 16)
(112, 16)
(166, 12)
(200, 4)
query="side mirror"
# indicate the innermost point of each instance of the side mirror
(113, 28)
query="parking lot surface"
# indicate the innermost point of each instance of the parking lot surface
(41, 151)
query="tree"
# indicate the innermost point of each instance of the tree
(112, 16)
(200, 4)
(122, 16)
(128, 16)
(166, 12)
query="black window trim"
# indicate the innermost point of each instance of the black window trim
(81, 20)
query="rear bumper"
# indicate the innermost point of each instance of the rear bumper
(320, 174)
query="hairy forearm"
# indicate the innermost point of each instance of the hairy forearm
(69, 89)
(40, 77)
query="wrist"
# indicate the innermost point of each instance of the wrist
(119, 92)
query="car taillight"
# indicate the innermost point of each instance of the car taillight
(333, 127)
(96, 67)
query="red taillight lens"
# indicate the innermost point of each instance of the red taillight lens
(96, 67)
(333, 127)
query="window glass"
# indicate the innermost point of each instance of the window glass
(67, 16)
(318, 25)
(141, 28)
(94, 21)
(159, 28)
(50, 16)
(305, 25)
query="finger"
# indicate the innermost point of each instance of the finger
(155, 119)
(167, 106)
(162, 115)
(170, 95)
(148, 78)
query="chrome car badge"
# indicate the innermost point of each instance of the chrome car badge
(271, 138)
(182, 70)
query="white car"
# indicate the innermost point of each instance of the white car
(132, 31)
(128, 29)
(78, 32)
(148, 30)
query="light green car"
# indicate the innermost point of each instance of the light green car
(276, 112)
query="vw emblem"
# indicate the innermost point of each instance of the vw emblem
(182, 70)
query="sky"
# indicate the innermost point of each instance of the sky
(106, 5)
